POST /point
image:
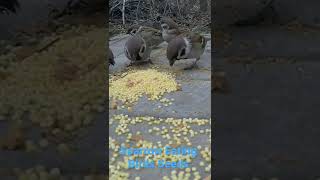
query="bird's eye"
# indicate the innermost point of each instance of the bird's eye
(165, 26)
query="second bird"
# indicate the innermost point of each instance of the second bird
(136, 49)
(152, 36)
(170, 29)
(186, 46)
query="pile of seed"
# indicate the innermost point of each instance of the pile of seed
(134, 84)
(62, 87)
(173, 132)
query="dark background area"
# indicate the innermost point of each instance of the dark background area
(267, 125)
(23, 29)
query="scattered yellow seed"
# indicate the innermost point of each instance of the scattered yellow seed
(165, 178)
(175, 130)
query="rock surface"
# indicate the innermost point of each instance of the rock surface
(193, 101)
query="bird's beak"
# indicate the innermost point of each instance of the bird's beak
(171, 63)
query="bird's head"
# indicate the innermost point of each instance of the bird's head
(164, 26)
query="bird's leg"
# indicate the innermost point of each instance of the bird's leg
(149, 61)
(194, 64)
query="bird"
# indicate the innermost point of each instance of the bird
(170, 29)
(136, 49)
(7, 6)
(152, 36)
(111, 58)
(188, 45)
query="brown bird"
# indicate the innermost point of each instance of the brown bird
(136, 49)
(186, 46)
(170, 29)
(152, 36)
(111, 58)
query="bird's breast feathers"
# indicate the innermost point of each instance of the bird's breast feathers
(143, 49)
(188, 44)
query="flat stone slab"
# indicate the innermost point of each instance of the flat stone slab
(193, 101)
